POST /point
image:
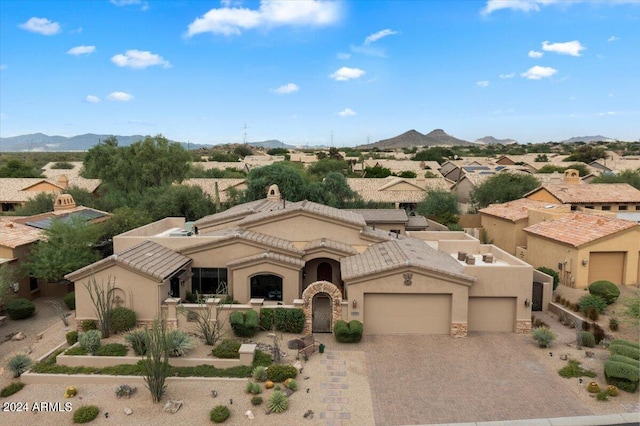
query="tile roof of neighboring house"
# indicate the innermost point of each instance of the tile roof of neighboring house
(396, 165)
(379, 234)
(15, 234)
(14, 190)
(305, 206)
(244, 234)
(382, 215)
(398, 253)
(86, 214)
(208, 186)
(52, 174)
(517, 209)
(239, 211)
(325, 242)
(416, 223)
(278, 257)
(148, 258)
(620, 164)
(592, 193)
(579, 229)
(379, 190)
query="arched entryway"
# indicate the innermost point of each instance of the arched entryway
(322, 307)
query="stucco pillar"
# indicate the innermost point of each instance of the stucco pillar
(256, 304)
(172, 312)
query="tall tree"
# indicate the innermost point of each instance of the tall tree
(502, 187)
(283, 174)
(19, 169)
(185, 201)
(441, 206)
(632, 177)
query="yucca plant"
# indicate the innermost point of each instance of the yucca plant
(138, 339)
(278, 402)
(179, 343)
(253, 387)
(18, 364)
(259, 373)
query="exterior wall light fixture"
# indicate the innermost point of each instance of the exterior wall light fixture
(527, 303)
(585, 261)
(354, 304)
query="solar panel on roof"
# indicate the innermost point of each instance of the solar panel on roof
(85, 215)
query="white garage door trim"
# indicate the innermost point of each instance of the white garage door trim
(407, 313)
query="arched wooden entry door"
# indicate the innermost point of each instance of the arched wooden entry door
(321, 322)
(325, 272)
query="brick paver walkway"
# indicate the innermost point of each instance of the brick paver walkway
(437, 379)
(334, 389)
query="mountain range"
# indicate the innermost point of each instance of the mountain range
(588, 139)
(412, 138)
(490, 140)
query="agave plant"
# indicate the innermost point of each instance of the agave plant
(179, 343)
(18, 364)
(138, 339)
(278, 402)
(260, 373)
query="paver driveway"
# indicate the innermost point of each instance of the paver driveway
(487, 376)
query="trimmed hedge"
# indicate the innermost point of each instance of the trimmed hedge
(11, 389)
(19, 308)
(85, 414)
(122, 319)
(624, 350)
(70, 300)
(244, 324)
(592, 301)
(588, 339)
(348, 332)
(605, 289)
(219, 414)
(622, 375)
(279, 372)
(228, 348)
(284, 319)
(625, 343)
(625, 360)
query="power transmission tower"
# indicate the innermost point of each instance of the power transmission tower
(245, 133)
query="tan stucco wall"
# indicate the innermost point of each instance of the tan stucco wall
(544, 195)
(503, 233)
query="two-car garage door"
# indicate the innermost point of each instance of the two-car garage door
(407, 313)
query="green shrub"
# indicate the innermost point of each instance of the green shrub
(289, 320)
(588, 339)
(244, 324)
(591, 313)
(625, 343)
(259, 374)
(592, 301)
(76, 350)
(18, 364)
(89, 325)
(122, 319)
(278, 402)
(19, 308)
(598, 333)
(280, 372)
(625, 360)
(72, 337)
(554, 274)
(62, 165)
(291, 384)
(256, 400)
(613, 324)
(85, 414)
(89, 340)
(179, 343)
(348, 332)
(70, 300)
(543, 336)
(628, 351)
(11, 389)
(261, 359)
(228, 348)
(219, 414)
(573, 369)
(622, 375)
(602, 396)
(138, 339)
(266, 318)
(607, 290)
(253, 387)
(112, 349)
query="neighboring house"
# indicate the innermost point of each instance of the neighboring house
(15, 192)
(393, 220)
(585, 248)
(402, 192)
(595, 196)
(326, 261)
(217, 189)
(19, 233)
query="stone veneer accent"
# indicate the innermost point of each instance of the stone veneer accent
(523, 327)
(307, 307)
(458, 329)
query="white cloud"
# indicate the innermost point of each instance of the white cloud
(572, 48)
(343, 56)
(347, 112)
(271, 13)
(612, 38)
(507, 76)
(81, 50)
(92, 99)
(538, 72)
(535, 54)
(139, 59)
(534, 5)
(377, 36)
(346, 73)
(41, 26)
(119, 96)
(483, 83)
(286, 89)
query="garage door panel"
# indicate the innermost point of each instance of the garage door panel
(606, 266)
(407, 313)
(492, 313)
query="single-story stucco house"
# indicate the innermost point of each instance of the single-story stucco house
(324, 260)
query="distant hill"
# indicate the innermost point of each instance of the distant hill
(490, 140)
(272, 143)
(42, 142)
(413, 138)
(588, 139)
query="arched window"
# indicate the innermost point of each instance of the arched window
(325, 272)
(267, 287)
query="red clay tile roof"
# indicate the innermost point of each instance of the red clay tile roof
(592, 193)
(579, 229)
(518, 209)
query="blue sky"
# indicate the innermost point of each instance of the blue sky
(306, 71)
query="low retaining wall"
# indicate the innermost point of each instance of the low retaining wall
(89, 379)
(559, 309)
(247, 351)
